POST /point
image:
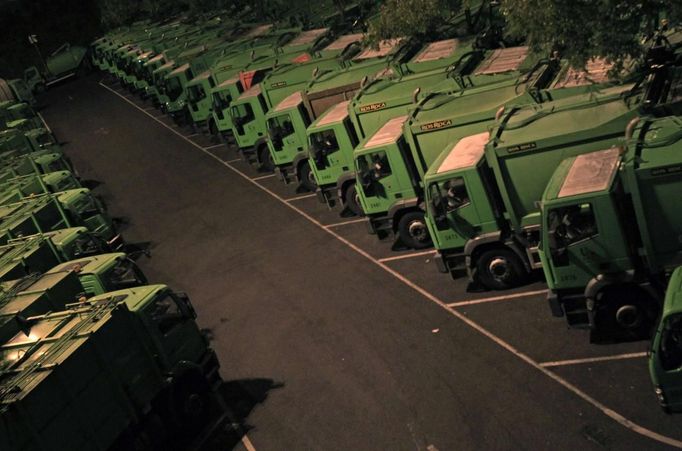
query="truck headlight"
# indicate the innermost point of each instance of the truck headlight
(659, 394)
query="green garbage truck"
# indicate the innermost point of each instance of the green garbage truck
(128, 355)
(63, 63)
(610, 231)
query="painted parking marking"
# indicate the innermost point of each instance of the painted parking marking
(193, 135)
(411, 255)
(605, 410)
(306, 196)
(504, 297)
(233, 161)
(42, 119)
(630, 355)
(352, 221)
(264, 177)
(213, 146)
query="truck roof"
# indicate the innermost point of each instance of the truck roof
(436, 50)
(307, 37)
(465, 153)
(258, 31)
(253, 91)
(228, 82)
(131, 296)
(89, 264)
(291, 101)
(502, 60)
(178, 70)
(385, 47)
(343, 41)
(591, 172)
(337, 113)
(387, 133)
(596, 71)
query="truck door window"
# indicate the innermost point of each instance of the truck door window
(375, 165)
(280, 127)
(125, 274)
(569, 225)
(454, 194)
(322, 144)
(165, 313)
(242, 113)
(670, 352)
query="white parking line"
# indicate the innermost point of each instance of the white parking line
(631, 355)
(264, 177)
(213, 146)
(247, 443)
(193, 135)
(353, 221)
(300, 197)
(233, 161)
(605, 410)
(42, 119)
(401, 257)
(504, 297)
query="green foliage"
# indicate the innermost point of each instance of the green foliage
(581, 29)
(419, 19)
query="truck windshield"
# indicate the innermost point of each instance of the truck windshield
(87, 245)
(173, 88)
(670, 352)
(322, 144)
(125, 274)
(86, 207)
(280, 127)
(165, 313)
(571, 224)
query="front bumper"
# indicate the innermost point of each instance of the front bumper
(286, 173)
(449, 261)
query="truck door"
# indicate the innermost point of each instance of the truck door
(578, 250)
(173, 323)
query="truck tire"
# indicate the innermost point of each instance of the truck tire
(266, 162)
(413, 232)
(189, 402)
(500, 269)
(352, 200)
(624, 312)
(307, 177)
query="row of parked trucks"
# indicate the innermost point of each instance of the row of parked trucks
(92, 356)
(508, 162)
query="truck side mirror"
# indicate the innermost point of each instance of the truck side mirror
(186, 304)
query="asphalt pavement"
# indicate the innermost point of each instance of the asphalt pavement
(328, 339)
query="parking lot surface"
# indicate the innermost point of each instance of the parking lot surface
(327, 337)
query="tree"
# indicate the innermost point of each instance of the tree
(581, 29)
(419, 19)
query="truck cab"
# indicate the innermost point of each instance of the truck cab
(103, 273)
(437, 120)
(612, 282)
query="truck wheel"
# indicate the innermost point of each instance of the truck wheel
(352, 200)
(307, 177)
(190, 402)
(413, 231)
(500, 269)
(266, 162)
(625, 312)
